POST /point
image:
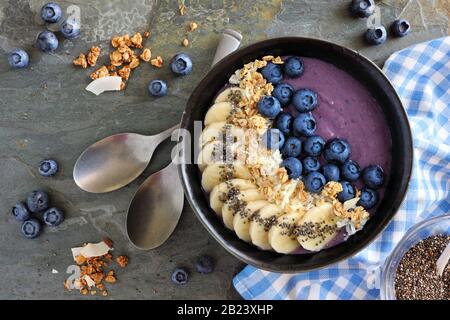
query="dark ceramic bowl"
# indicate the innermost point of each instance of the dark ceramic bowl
(375, 82)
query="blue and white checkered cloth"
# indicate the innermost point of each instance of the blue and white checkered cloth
(421, 76)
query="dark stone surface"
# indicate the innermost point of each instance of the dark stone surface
(46, 113)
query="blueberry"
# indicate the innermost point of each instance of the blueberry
(18, 58)
(53, 217)
(31, 228)
(376, 35)
(337, 150)
(157, 88)
(284, 123)
(315, 181)
(331, 172)
(48, 168)
(181, 64)
(37, 201)
(304, 100)
(362, 8)
(400, 28)
(273, 139)
(350, 170)
(348, 191)
(310, 164)
(304, 125)
(293, 67)
(269, 106)
(373, 176)
(272, 73)
(368, 198)
(283, 92)
(293, 167)
(70, 29)
(180, 276)
(20, 212)
(204, 264)
(313, 146)
(47, 41)
(292, 147)
(51, 12)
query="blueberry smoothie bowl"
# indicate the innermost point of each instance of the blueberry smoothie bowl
(305, 153)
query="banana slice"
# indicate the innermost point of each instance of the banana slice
(217, 173)
(241, 223)
(229, 94)
(217, 130)
(224, 190)
(280, 237)
(319, 227)
(232, 206)
(259, 227)
(218, 112)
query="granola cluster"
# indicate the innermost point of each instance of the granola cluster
(127, 56)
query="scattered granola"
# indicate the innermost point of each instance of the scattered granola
(146, 34)
(122, 261)
(182, 9)
(157, 62)
(185, 42)
(146, 55)
(81, 61)
(193, 26)
(100, 73)
(93, 55)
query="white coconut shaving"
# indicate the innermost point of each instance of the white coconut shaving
(103, 84)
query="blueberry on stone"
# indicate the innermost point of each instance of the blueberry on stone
(337, 150)
(376, 35)
(292, 147)
(315, 181)
(157, 88)
(18, 58)
(180, 276)
(20, 212)
(362, 8)
(373, 176)
(400, 27)
(269, 106)
(331, 172)
(272, 73)
(53, 217)
(348, 191)
(37, 201)
(304, 125)
(283, 122)
(310, 164)
(47, 41)
(293, 167)
(70, 29)
(181, 64)
(314, 145)
(368, 198)
(293, 67)
(31, 228)
(283, 92)
(273, 139)
(304, 100)
(48, 168)
(51, 12)
(204, 264)
(350, 170)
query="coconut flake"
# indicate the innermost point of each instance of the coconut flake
(103, 84)
(89, 281)
(350, 204)
(76, 252)
(92, 250)
(54, 271)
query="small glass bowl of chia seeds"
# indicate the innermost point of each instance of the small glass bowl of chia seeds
(409, 273)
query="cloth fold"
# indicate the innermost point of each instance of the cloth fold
(421, 76)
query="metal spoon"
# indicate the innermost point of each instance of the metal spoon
(115, 161)
(157, 205)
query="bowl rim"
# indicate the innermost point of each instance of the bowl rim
(184, 176)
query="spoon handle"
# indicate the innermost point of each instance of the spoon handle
(165, 134)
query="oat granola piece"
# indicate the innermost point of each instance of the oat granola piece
(80, 61)
(100, 73)
(116, 58)
(136, 40)
(79, 260)
(108, 256)
(104, 293)
(125, 72)
(93, 292)
(182, 9)
(193, 26)
(146, 34)
(111, 278)
(122, 261)
(123, 85)
(134, 63)
(84, 291)
(146, 55)
(115, 41)
(157, 62)
(185, 42)
(93, 55)
(331, 189)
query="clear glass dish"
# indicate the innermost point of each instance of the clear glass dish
(420, 231)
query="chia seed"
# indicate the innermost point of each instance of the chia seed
(416, 277)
